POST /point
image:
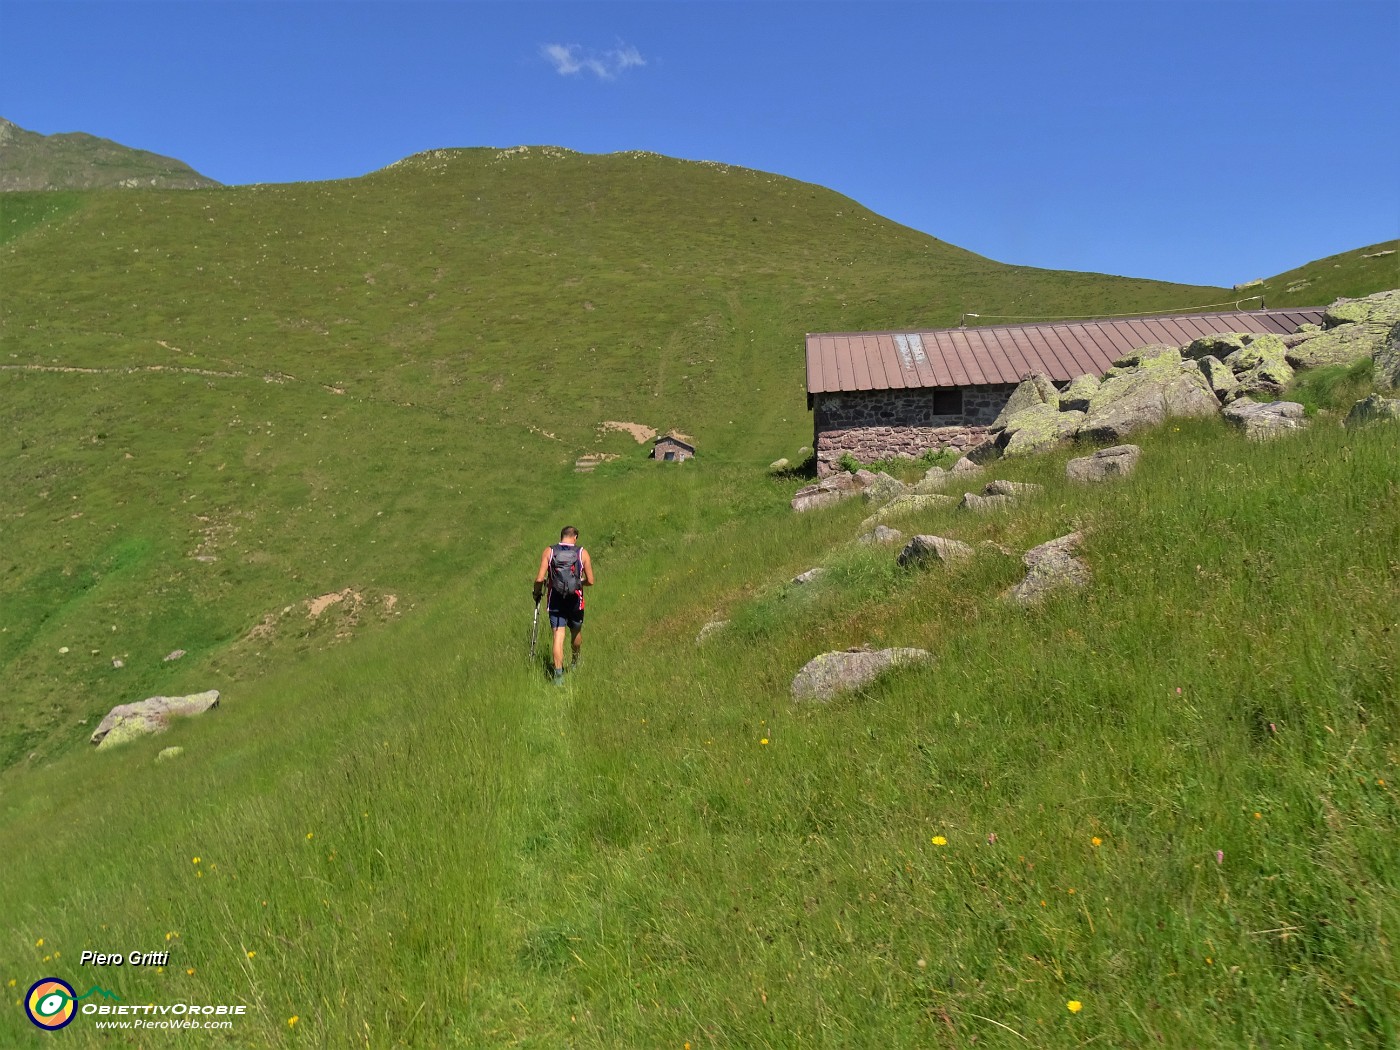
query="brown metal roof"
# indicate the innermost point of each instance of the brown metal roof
(1062, 350)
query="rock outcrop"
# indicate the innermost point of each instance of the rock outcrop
(127, 722)
(831, 674)
(1033, 391)
(832, 489)
(1158, 387)
(1373, 409)
(880, 534)
(1353, 329)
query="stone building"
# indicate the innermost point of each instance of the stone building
(672, 447)
(878, 395)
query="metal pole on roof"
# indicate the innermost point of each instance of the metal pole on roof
(962, 321)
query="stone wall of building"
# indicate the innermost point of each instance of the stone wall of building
(882, 424)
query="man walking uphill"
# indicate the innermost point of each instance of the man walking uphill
(565, 569)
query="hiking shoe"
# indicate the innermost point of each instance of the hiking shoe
(558, 676)
(576, 662)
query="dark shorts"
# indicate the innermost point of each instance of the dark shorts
(566, 611)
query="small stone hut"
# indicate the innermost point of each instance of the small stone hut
(672, 448)
(876, 395)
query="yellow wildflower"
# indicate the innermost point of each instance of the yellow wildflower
(939, 840)
(1074, 1006)
(292, 1021)
(1096, 842)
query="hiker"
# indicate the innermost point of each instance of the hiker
(568, 570)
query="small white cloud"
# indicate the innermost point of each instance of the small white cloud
(572, 59)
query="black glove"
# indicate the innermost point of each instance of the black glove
(538, 593)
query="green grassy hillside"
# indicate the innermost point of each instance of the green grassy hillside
(217, 405)
(360, 384)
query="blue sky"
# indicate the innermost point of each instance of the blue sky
(1199, 142)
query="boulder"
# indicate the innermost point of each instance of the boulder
(709, 630)
(167, 753)
(1218, 376)
(1050, 567)
(1038, 429)
(935, 479)
(1075, 397)
(779, 465)
(984, 504)
(965, 466)
(830, 674)
(1160, 388)
(1387, 363)
(1380, 308)
(810, 576)
(1116, 462)
(1259, 420)
(907, 505)
(126, 722)
(1344, 345)
(883, 489)
(1372, 410)
(921, 549)
(880, 534)
(831, 490)
(1260, 366)
(1152, 353)
(1012, 488)
(1259, 350)
(1035, 389)
(1217, 346)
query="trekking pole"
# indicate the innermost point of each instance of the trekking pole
(534, 630)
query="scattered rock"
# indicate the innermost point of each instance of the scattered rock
(1159, 389)
(831, 490)
(810, 576)
(965, 466)
(118, 662)
(1353, 329)
(1035, 389)
(779, 465)
(906, 505)
(1380, 308)
(174, 655)
(1012, 488)
(63, 650)
(883, 489)
(1387, 363)
(1216, 346)
(167, 753)
(1050, 567)
(984, 504)
(711, 628)
(1076, 396)
(933, 548)
(1116, 462)
(830, 674)
(935, 479)
(1261, 367)
(128, 721)
(1373, 409)
(1266, 420)
(880, 534)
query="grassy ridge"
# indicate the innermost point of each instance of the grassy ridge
(1348, 275)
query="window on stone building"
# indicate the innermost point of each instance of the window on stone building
(947, 402)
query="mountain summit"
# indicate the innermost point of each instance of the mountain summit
(77, 161)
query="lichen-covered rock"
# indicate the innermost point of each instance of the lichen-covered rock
(1076, 396)
(1258, 350)
(935, 479)
(1159, 353)
(880, 534)
(1259, 420)
(1050, 567)
(810, 576)
(1380, 308)
(1160, 388)
(1012, 488)
(831, 674)
(127, 722)
(1343, 345)
(1217, 346)
(883, 489)
(907, 504)
(1387, 363)
(1265, 368)
(1035, 389)
(779, 465)
(1038, 429)
(168, 753)
(831, 490)
(1373, 409)
(1219, 377)
(922, 549)
(965, 466)
(1116, 462)
(985, 504)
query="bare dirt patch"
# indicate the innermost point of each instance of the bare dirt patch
(639, 431)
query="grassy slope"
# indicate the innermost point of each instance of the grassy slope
(422, 844)
(1349, 275)
(76, 161)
